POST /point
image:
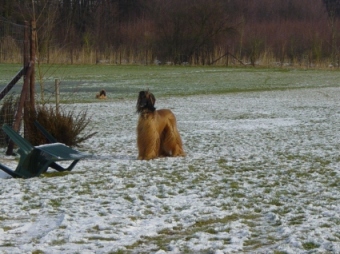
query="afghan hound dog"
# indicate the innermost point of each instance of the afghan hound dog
(157, 133)
(101, 94)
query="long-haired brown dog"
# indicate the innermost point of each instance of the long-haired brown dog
(157, 133)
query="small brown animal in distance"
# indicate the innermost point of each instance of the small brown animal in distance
(101, 94)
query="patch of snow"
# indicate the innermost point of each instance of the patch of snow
(261, 174)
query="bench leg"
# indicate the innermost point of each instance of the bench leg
(9, 171)
(61, 169)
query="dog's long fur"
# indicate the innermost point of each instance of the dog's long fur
(157, 133)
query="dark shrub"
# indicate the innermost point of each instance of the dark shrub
(66, 127)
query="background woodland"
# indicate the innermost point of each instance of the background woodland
(196, 32)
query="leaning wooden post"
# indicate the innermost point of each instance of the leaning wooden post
(18, 115)
(27, 78)
(26, 46)
(33, 57)
(23, 96)
(57, 94)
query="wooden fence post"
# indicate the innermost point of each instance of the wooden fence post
(57, 94)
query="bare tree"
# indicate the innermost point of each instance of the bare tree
(188, 29)
(333, 10)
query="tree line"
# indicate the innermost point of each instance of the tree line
(197, 32)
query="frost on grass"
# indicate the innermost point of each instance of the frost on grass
(261, 175)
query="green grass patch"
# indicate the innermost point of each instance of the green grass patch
(234, 185)
(297, 220)
(165, 236)
(126, 81)
(310, 245)
(38, 252)
(55, 203)
(56, 174)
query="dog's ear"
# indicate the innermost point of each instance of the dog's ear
(141, 101)
(152, 99)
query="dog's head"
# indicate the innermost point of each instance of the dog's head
(145, 102)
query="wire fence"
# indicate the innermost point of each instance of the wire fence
(12, 39)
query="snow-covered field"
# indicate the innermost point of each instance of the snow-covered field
(261, 175)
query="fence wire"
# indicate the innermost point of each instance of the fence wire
(11, 41)
(12, 37)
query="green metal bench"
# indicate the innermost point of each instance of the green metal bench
(35, 160)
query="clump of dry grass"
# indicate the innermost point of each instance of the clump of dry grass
(65, 127)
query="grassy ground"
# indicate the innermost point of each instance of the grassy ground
(77, 81)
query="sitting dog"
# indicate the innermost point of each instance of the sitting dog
(157, 133)
(101, 94)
